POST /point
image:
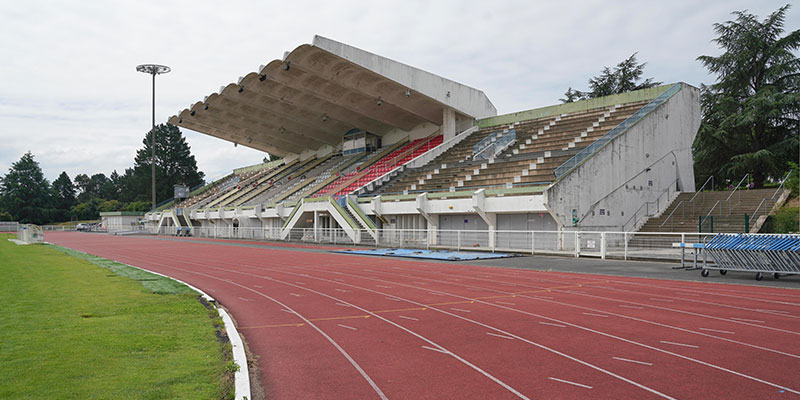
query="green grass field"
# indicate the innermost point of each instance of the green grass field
(73, 329)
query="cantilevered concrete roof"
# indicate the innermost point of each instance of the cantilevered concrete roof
(318, 92)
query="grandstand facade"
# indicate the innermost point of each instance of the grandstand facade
(371, 145)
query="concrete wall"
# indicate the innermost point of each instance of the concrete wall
(636, 167)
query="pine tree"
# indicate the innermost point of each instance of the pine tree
(63, 196)
(750, 114)
(625, 77)
(25, 193)
(174, 165)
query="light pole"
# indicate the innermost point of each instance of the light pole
(153, 69)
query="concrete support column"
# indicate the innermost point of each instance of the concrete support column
(448, 123)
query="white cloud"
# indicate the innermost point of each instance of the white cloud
(71, 95)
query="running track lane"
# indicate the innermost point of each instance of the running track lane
(329, 325)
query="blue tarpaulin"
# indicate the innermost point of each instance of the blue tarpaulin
(429, 254)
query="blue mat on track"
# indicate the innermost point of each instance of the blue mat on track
(428, 254)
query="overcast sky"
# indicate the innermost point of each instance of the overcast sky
(71, 95)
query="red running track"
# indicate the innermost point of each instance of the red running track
(342, 326)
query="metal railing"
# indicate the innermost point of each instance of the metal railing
(619, 245)
(493, 144)
(682, 204)
(644, 212)
(616, 131)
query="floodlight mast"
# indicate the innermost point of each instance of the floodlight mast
(153, 69)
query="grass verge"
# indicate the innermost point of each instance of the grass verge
(71, 329)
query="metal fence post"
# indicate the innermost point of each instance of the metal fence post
(602, 245)
(577, 244)
(625, 239)
(533, 242)
(458, 234)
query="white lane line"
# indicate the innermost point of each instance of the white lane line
(338, 279)
(632, 361)
(259, 286)
(508, 284)
(296, 295)
(500, 336)
(393, 299)
(595, 315)
(243, 299)
(552, 324)
(382, 286)
(436, 350)
(716, 330)
(348, 327)
(748, 320)
(634, 307)
(774, 311)
(342, 290)
(570, 383)
(342, 304)
(680, 344)
(542, 297)
(664, 300)
(420, 283)
(411, 318)
(435, 294)
(504, 302)
(475, 289)
(285, 310)
(460, 309)
(299, 283)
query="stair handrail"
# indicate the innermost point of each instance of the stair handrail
(728, 200)
(785, 178)
(647, 204)
(682, 203)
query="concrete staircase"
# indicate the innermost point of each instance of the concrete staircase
(685, 212)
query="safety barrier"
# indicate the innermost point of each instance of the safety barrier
(775, 254)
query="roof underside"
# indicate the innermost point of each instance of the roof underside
(308, 100)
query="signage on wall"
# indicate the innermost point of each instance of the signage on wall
(649, 183)
(602, 211)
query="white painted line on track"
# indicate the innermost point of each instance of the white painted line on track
(748, 320)
(552, 324)
(475, 289)
(342, 304)
(435, 294)
(348, 327)
(299, 283)
(338, 279)
(382, 286)
(680, 344)
(296, 295)
(689, 294)
(570, 383)
(634, 307)
(393, 299)
(505, 302)
(404, 317)
(664, 300)
(632, 361)
(595, 315)
(774, 311)
(460, 309)
(259, 286)
(716, 330)
(420, 283)
(285, 310)
(542, 297)
(436, 350)
(342, 290)
(243, 299)
(500, 336)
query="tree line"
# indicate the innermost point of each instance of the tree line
(750, 114)
(26, 196)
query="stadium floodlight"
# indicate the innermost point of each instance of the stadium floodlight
(153, 69)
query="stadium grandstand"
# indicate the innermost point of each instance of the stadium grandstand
(372, 147)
